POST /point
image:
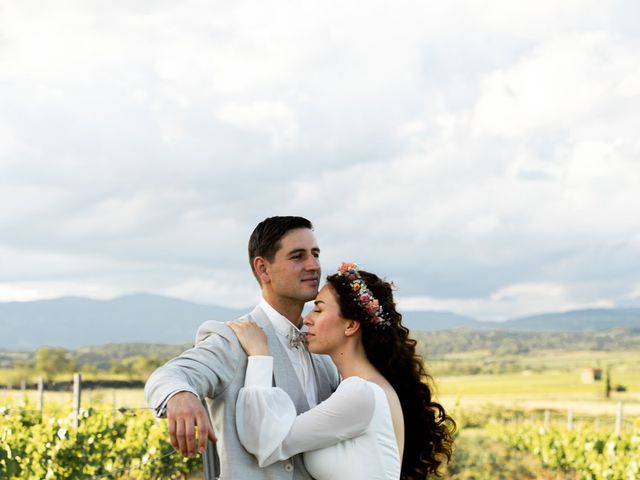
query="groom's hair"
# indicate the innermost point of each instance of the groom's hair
(265, 239)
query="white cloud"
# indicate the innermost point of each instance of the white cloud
(561, 83)
(508, 302)
(275, 119)
(470, 152)
(27, 291)
(217, 291)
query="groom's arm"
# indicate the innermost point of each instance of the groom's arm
(178, 388)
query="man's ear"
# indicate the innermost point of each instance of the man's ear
(260, 267)
(352, 327)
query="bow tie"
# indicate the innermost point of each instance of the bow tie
(296, 338)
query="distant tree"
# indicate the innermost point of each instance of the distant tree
(89, 369)
(51, 361)
(137, 366)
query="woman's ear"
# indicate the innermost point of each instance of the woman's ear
(352, 327)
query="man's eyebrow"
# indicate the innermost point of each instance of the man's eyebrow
(316, 302)
(302, 250)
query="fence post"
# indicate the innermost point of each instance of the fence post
(570, 419)
(618, 430)
(23, 385)
(76, 399)
(41, 395)
(547, 419)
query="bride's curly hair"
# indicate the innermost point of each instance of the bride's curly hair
(429, 431)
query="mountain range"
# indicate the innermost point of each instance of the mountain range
(73, 322)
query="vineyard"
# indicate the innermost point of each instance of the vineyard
(108, 443)
(587, 451)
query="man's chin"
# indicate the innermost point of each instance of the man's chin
(310, 292)
(310, 297)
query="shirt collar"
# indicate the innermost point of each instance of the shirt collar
(280, 323)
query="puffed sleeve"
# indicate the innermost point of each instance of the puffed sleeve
(269, 428)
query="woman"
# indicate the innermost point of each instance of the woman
(380, 423)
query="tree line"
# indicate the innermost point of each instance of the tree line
(135, 361)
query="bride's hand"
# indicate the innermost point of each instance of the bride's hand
(251, 337)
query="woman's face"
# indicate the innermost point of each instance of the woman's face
(326, 327)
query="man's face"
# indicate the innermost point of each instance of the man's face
(294, 273)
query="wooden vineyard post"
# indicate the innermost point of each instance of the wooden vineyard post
(618, 430)
(76, 399)
(41, 395)
(547, 419)
(570, 419)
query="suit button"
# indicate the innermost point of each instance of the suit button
(288, 467)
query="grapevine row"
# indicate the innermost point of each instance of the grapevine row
(107, 442)
(587, 452)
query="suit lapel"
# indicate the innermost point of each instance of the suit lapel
(283, 373)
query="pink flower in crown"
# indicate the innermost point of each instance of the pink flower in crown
(346, 266)
(365, 298)
(373, 306)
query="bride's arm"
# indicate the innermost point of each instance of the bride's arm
(269, 428)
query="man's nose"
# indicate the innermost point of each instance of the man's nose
(313, 263)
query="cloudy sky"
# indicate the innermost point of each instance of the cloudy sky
(483, 155)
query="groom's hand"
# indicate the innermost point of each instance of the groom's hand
(185, 413)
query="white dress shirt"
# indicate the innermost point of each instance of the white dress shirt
(299, 356)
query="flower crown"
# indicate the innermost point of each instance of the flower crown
(363, 295)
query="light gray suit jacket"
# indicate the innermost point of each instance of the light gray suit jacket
(214, 370)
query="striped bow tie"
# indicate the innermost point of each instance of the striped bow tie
(296, 338)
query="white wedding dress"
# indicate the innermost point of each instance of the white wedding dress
(349, 436)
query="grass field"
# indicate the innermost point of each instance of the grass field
(527, 391)
(130, 398)
(558, 388)
(551, 383)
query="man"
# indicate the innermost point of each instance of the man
(284, 256)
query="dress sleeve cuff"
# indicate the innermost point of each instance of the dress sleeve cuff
(259, 371)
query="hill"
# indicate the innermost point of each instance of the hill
(73, 322)
(578, 320)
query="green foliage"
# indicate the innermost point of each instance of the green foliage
(436, 344)
(50, 361)
(137, 366)
(481, 416)
(479, 457)
(589, 452)
(106, 441)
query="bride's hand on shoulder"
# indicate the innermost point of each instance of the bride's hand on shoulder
(251, 337)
